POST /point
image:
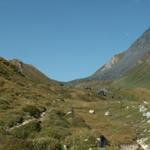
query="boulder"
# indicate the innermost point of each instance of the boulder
(103, 92)
(91, 111)
(65, 147)
(107, 113)
(102, 141)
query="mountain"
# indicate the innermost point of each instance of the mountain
(129, 68)
(125, 61)
(31, 72)
(39, 113)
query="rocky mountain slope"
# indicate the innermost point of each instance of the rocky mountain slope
(129, 68)
(125, 61)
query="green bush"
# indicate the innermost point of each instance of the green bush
(84, 142)
(57, 118)
(4, 104)
(46, 143)
(27, 130)
(32, 110)
(77, 121)
(56, 132)
(14, 121)
(3, 133)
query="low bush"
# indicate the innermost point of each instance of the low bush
(26, 130)
(32, 110)
(14, 121)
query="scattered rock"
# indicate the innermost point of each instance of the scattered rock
(145, 102)
(141, 142)
(147, 115)
(65, 147)
(60, 100)
(107, 113)
(70, 112)
(103, 92)
(148, 121)
(86, 140)
(91, 111)
(18, 64)
(88, 88)
(130, 147)
(102, 141)
(142, 108)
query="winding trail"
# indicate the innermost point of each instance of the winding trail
(41, 118)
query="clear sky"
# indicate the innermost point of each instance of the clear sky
(69, 39)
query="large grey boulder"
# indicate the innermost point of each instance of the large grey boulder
(103, 92)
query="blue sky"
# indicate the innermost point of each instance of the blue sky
(69, 39)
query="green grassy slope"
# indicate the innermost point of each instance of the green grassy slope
(36, 116)
(139, 76)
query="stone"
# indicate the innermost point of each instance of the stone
(103, 92)
(91, 111)
(107, 113)
(65, 147)
(102, 141)
(130, 147)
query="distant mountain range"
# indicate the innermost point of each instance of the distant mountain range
(131, 67)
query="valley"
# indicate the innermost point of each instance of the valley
(109, 110)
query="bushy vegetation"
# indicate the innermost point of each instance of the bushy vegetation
(32, 110)
(14, 121)
(27, 130)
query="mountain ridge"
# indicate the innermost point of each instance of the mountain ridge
(127, 60)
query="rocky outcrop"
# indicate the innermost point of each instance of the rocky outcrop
(130, 147)
(103, 92)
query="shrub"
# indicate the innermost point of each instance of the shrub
(32, 110)
(57, 118)
(27, 130)
(14, 121)
(46, 143)
(77, 121)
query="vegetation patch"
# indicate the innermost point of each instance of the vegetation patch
(32, 110)
(27, 130)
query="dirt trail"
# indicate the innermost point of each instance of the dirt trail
(41, 118)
